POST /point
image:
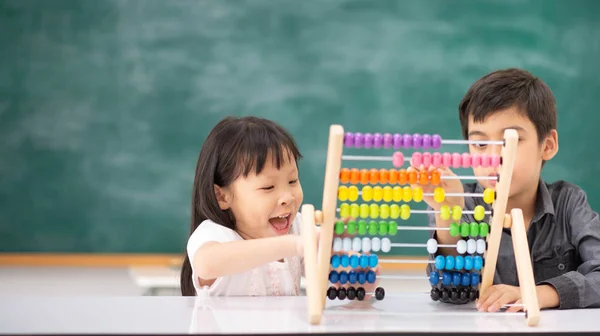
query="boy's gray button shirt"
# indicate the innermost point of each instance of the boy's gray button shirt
(564, 241)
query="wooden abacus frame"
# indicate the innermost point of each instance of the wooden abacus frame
(316, 258)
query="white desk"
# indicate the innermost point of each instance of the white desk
(179, 315)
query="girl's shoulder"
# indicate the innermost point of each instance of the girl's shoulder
(210, 231)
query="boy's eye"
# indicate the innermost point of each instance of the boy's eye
(294, 181)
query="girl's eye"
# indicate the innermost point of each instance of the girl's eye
(267, 188)
(294, 181)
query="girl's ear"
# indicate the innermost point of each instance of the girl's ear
(550, 146)
(222, 197)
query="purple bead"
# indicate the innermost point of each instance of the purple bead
(377, 140)
(417, 140)
(368, 140)
(358, 140)
(349, 139)
(387, 140)
(426, 141)
(407, 141)
(397, 140)
(436, 141)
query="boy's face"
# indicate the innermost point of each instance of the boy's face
(530, 152)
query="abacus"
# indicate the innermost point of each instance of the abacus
(458, 279)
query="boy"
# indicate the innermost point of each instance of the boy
(562, 230)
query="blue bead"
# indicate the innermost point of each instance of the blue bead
(363, 261)
(449, 262)
(478, 263)
(440, 262)
(434, 278)
(466, 279)
(447, 278)
(456, 278)
(343, 277)
(459, 262)
(334, 277)
(344, 261)
(468, 263)
(335, 261)
(352, 277)
(373, 260)
(362, 277)
(354, 261)
(474, 279)
(371, 277)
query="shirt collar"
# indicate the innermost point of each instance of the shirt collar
(543, 203)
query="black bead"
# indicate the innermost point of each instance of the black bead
(332, 293)
(445, 294)
(435, 294)
(360, 293)
(454, 295)
(379, 293)
(472, 294)
(351, 293)
(342, 293)
(462, 293)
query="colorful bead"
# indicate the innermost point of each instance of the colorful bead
(372, 228)
(386, 245)
(485, 161)
(393, 176)
(449, 262)
(464, 230)
(351, 227)
(377, 140)
(426, 141)
(383, 176)
(416, 159)
(373, 176)
(339, 228)
(397, 194)
(456, 213)
(471, 246)
(334, 277)
(335, 262)
(474, 232)
(387, 140)
(356, 244)
(384, 211)
(456, 160)
(439, 195)
(388, 194)
(440, 262)
(407, 194)
(488, 196)
(392, 228)
(417, 141)
(407, 141)
(456, 278)
(373, 261)
(477, 263)
(368, 140)
(474, 279)
(398, 159)
(343, 277)
(461, 246)
(445, 212)
(362, 227)
(417, 194)
(371, 276)
(484, 229)
(353, 264)
(348, 139)
(475, 160)
(377, 193)
(481, 246)
(454, 229)
(434, 277)
(337, 244)
(479, 212)
(352, 193)
(363, 262)
(358, 140)
(383, 228)
(367, 193)
(375, 244)
(435, 177)
(354, 210)
(344, 260)
(366, 245)
(402, 176)
(397, 141)
(344, 175)
(354, 175)
(468, 262)
(459, 262)
(364, 210)
(436, 141)
(394, 211)
(466, 160)
(432, 246)
(423, 178)
(427, 160)
(495, 161)
(446, 278)
(343, 193)
(352, 276)
(404, 212)
(447, 159)
(344, 210)
(466, 279)
(346, 244)
(361, 276)
(374, 211)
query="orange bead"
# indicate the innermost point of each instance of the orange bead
(344, 175)
(354, 175)
(364, 176)
(383, 176)
(413, 177)
(402, 178)
(423, 178)
(374, 176)
(393, 176)
(435, 177)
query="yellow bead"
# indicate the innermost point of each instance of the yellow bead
(344, 210)
(445, 212)
(377, 193)
(343, 193)
(397, 193)
(439, 195)
(479, 212)
(394, 211)
(352, 193)
(374, 211)
(354, 210)
(488, 196)
(367, 193)
(388, 194)
(364, 210)
(384, 211)
(407, 194)
(417, 194)
(405, 212)
(456, 213)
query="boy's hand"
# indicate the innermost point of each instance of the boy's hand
(449, 186)
(495, 297)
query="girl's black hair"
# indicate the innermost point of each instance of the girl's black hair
(235, 147)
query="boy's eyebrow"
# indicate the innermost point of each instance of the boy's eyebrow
(516, 128)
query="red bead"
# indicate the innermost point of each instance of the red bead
(447, 160)
(475, 160)
(456, 160)
(426, 159)
(437, 159)
(485, 160)
(466, 160)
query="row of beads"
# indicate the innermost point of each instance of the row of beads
(454, 160)
(352, 277)
(361, 227)
(391, 176)
(388, 140)
(458, 263)
(465, 229)
(454, 278)
(354, 261)
(397, 194)
(376, 244)
(454, 294)
(395, 211)
(353, 293)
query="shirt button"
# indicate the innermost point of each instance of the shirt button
(561, 266)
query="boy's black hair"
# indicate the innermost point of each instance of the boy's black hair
(236, 146)
(502, 89)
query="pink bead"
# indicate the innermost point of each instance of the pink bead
(456, 160)
(485, 160)
(495, 162)
(437, 159)
(417, 159)
(398, 159)
(475, 160)
(427, 159)
(447, 159)
(466, 160)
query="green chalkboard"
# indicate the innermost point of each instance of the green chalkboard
(104, 104)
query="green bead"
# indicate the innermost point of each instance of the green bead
(351, 227)
(484, 229)
(474, 229)
(392, 228)
(373, 228)
(362, 227)
(464, 229)
(339, 227)
(454, 230)
(383, 228)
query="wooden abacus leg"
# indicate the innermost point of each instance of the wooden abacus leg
(315, 308)
(524, 268)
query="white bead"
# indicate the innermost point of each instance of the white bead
(386, 245)
(375, 244)
(347, 244)
(480, 246)
(461, 246)
(471, 246)
(366, 245)
(337, 244)
(432, 245)
(356, 244)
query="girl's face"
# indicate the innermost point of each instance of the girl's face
(266, 204)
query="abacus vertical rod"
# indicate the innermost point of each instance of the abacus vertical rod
(315, 310)
(333, 165)
(524, 268)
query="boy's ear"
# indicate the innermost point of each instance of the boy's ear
(550, 146)
(222, 197)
